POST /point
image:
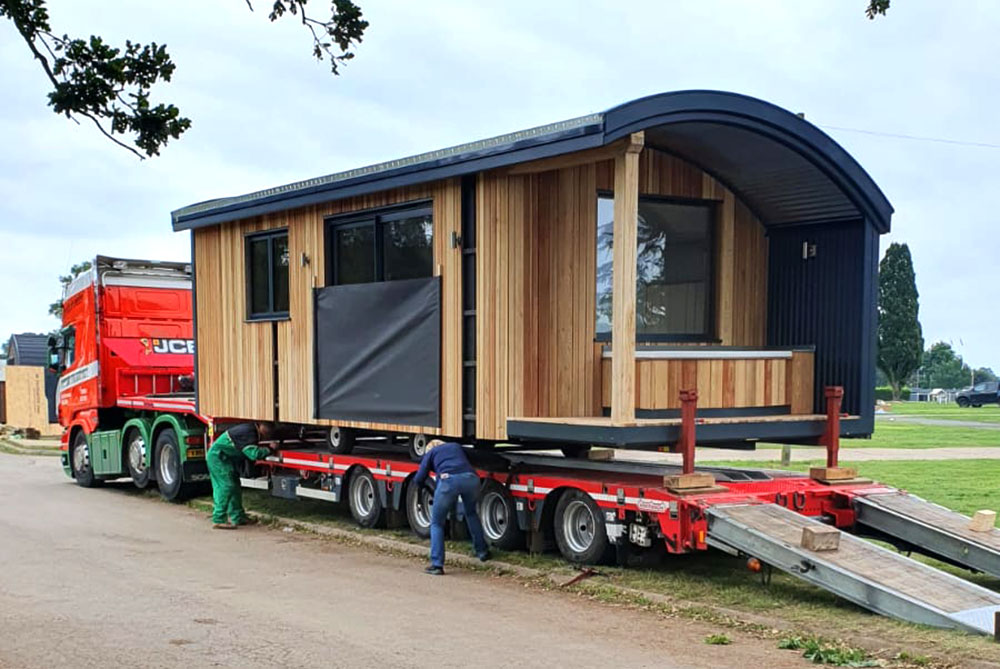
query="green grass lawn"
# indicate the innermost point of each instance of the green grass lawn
(988, 413)
(911, 435)
(963, 485)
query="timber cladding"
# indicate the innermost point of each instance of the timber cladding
(236, 356)
(721, 384)
(536, 268)
(26, 403)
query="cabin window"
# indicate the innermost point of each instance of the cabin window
(674, 269)
(386, 245)
(267, 275)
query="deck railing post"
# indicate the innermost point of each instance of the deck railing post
(689, 409)
(831, 436)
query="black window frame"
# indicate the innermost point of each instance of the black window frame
(711, 334)
(376, 218)
(248, 240)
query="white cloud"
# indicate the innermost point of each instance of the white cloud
(429, 75)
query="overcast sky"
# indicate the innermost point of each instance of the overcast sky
(433, 74)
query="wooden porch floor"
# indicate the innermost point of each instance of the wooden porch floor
(605, 421)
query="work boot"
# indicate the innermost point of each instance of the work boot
(434, 571)
(484, 556)
(223, 526)
(247, 520)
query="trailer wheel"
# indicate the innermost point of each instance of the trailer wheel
(417, 444)
(362, 497)
(419, 501)
(579, 529)
(498, 514)
(340, 440)
(79, 458)
(135, 458)
(576, 451)
(169, 476)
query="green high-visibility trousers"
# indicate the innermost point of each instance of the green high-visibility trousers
(223, 459)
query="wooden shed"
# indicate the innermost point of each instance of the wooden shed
(28, 386)
(558, 284)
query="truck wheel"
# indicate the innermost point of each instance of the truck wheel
(576, 451)
(362, 497)
(169, 476)
(419, 501)
(79, 458)
(963, 402)
(340, 440)
(417, 444)
(579, 529)
(498, 514)
(135, 458)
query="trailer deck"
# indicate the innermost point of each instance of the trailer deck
(750, 512)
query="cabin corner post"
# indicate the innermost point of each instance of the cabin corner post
(626, 214)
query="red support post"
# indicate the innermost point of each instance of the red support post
(831, 435)
(689, 409)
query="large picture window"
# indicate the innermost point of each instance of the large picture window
(674, 269)
(386, 245)
(267, 275)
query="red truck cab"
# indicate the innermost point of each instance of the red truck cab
(125, 356)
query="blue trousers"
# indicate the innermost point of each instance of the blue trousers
(448, 490)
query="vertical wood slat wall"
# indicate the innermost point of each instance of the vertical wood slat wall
(536, 272)
(235, 356)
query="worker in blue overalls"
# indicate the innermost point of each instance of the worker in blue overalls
(455, 479)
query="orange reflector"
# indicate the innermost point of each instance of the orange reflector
(701, 536)
(754, 565)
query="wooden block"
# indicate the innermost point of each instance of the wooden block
(688, 481)
(601, 454)
(983, 521)
(820, 538)
(832, 473)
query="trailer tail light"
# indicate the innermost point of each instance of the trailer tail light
(194, 439)
(754, 565)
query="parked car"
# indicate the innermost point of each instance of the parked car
(979, 394)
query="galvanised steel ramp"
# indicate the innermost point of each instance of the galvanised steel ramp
(931, 529)
(876, 578)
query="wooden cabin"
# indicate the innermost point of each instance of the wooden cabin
(28, 389)
(558, 284)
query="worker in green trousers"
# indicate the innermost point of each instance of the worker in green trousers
(224, 458)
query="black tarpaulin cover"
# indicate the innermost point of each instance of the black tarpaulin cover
(378, 352)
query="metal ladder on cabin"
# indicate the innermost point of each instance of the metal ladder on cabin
(869, 575)
(930, 529)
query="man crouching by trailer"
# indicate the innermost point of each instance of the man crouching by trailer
(224, 458)
(455, 478)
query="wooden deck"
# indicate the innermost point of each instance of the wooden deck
(605, 421)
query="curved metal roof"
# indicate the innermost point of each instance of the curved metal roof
(28, 348)
(783, 167)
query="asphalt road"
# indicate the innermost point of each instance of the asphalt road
(106, 577)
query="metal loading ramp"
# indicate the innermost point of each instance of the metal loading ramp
(930, 529)
(868, 575)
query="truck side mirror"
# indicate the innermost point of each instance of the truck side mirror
(54, 346)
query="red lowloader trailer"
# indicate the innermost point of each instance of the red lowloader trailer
(125, 355)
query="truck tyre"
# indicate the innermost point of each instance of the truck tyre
(79, 458)
(169, 475)
(418, 509)
(963, 402)
(579, 529)
(340, 440)
(135, 458)
(498, 515)
(576, 450)
(362, 497)
(417, 444)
